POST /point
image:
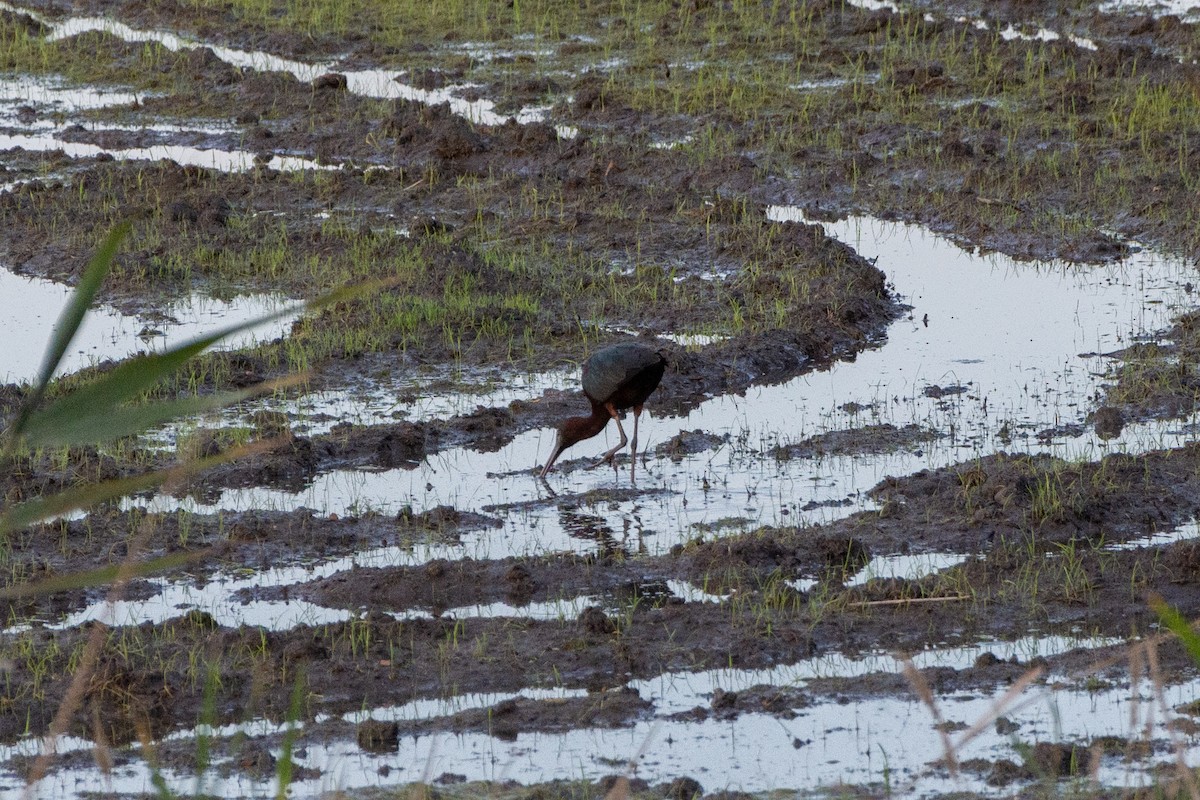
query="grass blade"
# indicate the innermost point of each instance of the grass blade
(75, 421)
(33, 511)
(71, 318)
(63, 429)
(206, 725)
(90, 405)
(1179, 626)
(99, 576)
(94, 413)
(285, 765)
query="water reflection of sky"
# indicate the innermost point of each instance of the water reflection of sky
(29, 309)
(1016, 343)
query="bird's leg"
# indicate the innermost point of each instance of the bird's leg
(637, 414)
(612, 410)
(548, 487)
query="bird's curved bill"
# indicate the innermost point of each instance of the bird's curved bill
(558, 448)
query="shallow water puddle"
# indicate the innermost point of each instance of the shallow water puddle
(399, 398)
(433, 708)
(994, 326)
(1008, 33)
(376, 83)
(566, 609)
(1157, 8)
(56, 96)
(229, 597)
(222, 160)
(221, 595)
(677, 692)
(218, 598)
(899, 566)
(875, 5)
(692, 341)
(690, 593)
(824, 744)
(29, 309)
(986, 354)
(43, 134)
(1045, 35)
(1185, 532)
(826, 741)
(906, 567)
(51, 98)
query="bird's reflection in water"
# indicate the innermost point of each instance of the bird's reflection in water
(593, 528)
(634, 529)
(545, 484)
(581, 525)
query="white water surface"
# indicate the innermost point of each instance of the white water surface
(826, 741)
(995, 354)
(377, 83)
(1158, 8)
(30, 307)
(54, 95)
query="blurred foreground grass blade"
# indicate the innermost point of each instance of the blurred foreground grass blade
(71, 318)
(100, 576)
(97, 412)
(1179, 626)
(284, 767)
(38, 509)
(86, 411)
(79, 419)
(64, 426)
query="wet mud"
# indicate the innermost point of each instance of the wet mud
(527, 245)
(636, 627)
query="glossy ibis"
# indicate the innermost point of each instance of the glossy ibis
(614, 378)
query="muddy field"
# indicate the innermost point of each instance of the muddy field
(918, 473)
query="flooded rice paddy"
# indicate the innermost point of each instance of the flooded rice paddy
(892, 433)
(982, 362)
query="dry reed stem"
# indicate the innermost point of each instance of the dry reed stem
(907, 601)
(427, 773)
(126, 571)
(1000, 706)
(921, 687)
(1136, 665)
(620, 789)
(1095, 754)
(1146, 648)
(102, 752)
(73, 699)
(1156, 679)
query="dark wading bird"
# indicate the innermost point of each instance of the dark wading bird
(614, 378)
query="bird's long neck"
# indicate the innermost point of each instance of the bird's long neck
(576, 429)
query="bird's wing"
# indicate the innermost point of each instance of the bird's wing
(611, 368)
